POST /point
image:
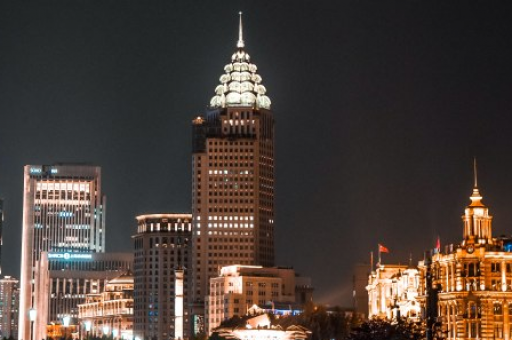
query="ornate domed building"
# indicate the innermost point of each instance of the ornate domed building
(472, 281)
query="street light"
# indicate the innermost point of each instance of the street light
(87, 328)
(65, 323)
(32, 313)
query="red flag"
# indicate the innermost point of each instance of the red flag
(383, 249)
(438, 244)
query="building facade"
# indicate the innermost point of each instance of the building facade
(9, 305)
(109, 313)
(63, 212)
(232, 176)
(162, 256)
(472, 281)
(260, 328)
(71, 276)
(239, 287)
(393, 292)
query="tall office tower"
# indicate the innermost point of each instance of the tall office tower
(233, 176)
(9, 304)
(162, 251)
(63, 212)
(1, 231)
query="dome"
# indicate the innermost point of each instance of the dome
(240, 85)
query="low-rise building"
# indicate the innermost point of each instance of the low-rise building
(239, 287)
(260, 328)
(392, 292)
(110, 313)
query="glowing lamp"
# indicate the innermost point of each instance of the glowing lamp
(32, 313)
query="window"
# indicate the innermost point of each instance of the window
(498, 310)
(495, 267)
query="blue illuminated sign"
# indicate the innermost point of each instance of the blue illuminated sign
(69, 256)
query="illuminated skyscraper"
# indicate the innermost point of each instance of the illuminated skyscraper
(63, 212)
(162, 251)
(9, 303)
(233, 175)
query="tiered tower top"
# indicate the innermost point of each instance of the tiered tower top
(476, 218)
(240, 85)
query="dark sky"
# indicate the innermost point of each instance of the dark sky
(380, 107)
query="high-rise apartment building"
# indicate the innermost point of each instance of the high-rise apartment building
(9, 305)
(161, 276)
(63, 212)
(233, 176)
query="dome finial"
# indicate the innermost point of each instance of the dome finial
(240, 43)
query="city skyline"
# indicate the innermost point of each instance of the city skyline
(380, 109)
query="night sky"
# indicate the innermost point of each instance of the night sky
(380, 107)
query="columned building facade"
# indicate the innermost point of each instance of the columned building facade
(473, 279)
(232, 176)
(109, 313)
(63, 212)
(392, 292)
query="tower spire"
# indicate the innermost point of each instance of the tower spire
(475, 197)
(475, 173)
(240, 43)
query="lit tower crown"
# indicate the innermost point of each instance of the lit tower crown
(240, 85)
(476, 218)
(233, 176)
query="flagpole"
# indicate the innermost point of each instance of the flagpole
(380, 260)
(371, 261)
